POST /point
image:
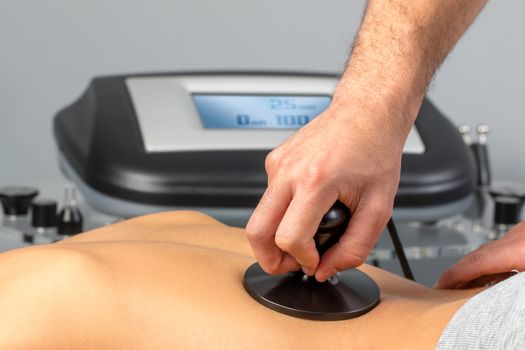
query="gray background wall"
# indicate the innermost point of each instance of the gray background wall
(50, 49)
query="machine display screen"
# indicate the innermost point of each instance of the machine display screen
(258, 111)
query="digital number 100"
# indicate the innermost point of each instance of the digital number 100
(292, 120)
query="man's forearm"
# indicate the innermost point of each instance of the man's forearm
(398, 48)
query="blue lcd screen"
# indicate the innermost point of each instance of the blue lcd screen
(258, 112)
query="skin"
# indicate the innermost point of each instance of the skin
(174, 281)
(352, 151)
(491, 262)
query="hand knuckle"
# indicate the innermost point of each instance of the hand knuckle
(254, 233)
(477, 258)
(272, 267)
(354, 257)
(271, 161)
(314, 176)
(286, 243)
(287, 161)
(381, 208)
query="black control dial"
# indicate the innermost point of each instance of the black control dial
(44, 213)
(17, 199)
(507, 210)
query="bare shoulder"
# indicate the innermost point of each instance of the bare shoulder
(180, 227)
(40, 291)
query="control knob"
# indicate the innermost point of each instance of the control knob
(17, 199)
(44, 213)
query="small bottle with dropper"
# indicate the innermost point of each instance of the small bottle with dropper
(70, 221)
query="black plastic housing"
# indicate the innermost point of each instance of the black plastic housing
(100, 138)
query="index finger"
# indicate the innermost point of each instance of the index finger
(262, 226)
(299, 225)
(490, 259)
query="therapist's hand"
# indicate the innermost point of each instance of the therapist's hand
(491, 262)
(351, 154)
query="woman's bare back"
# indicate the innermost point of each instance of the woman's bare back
(174, 280)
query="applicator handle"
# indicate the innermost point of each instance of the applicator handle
(332, 226)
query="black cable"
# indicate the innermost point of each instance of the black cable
(399, 250)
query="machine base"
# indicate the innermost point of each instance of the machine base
(349, 294)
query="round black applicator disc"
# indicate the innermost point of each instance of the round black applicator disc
(349, 294)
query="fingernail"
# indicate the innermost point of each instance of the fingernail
(307, 271)
(317, 277)
(321, 279)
